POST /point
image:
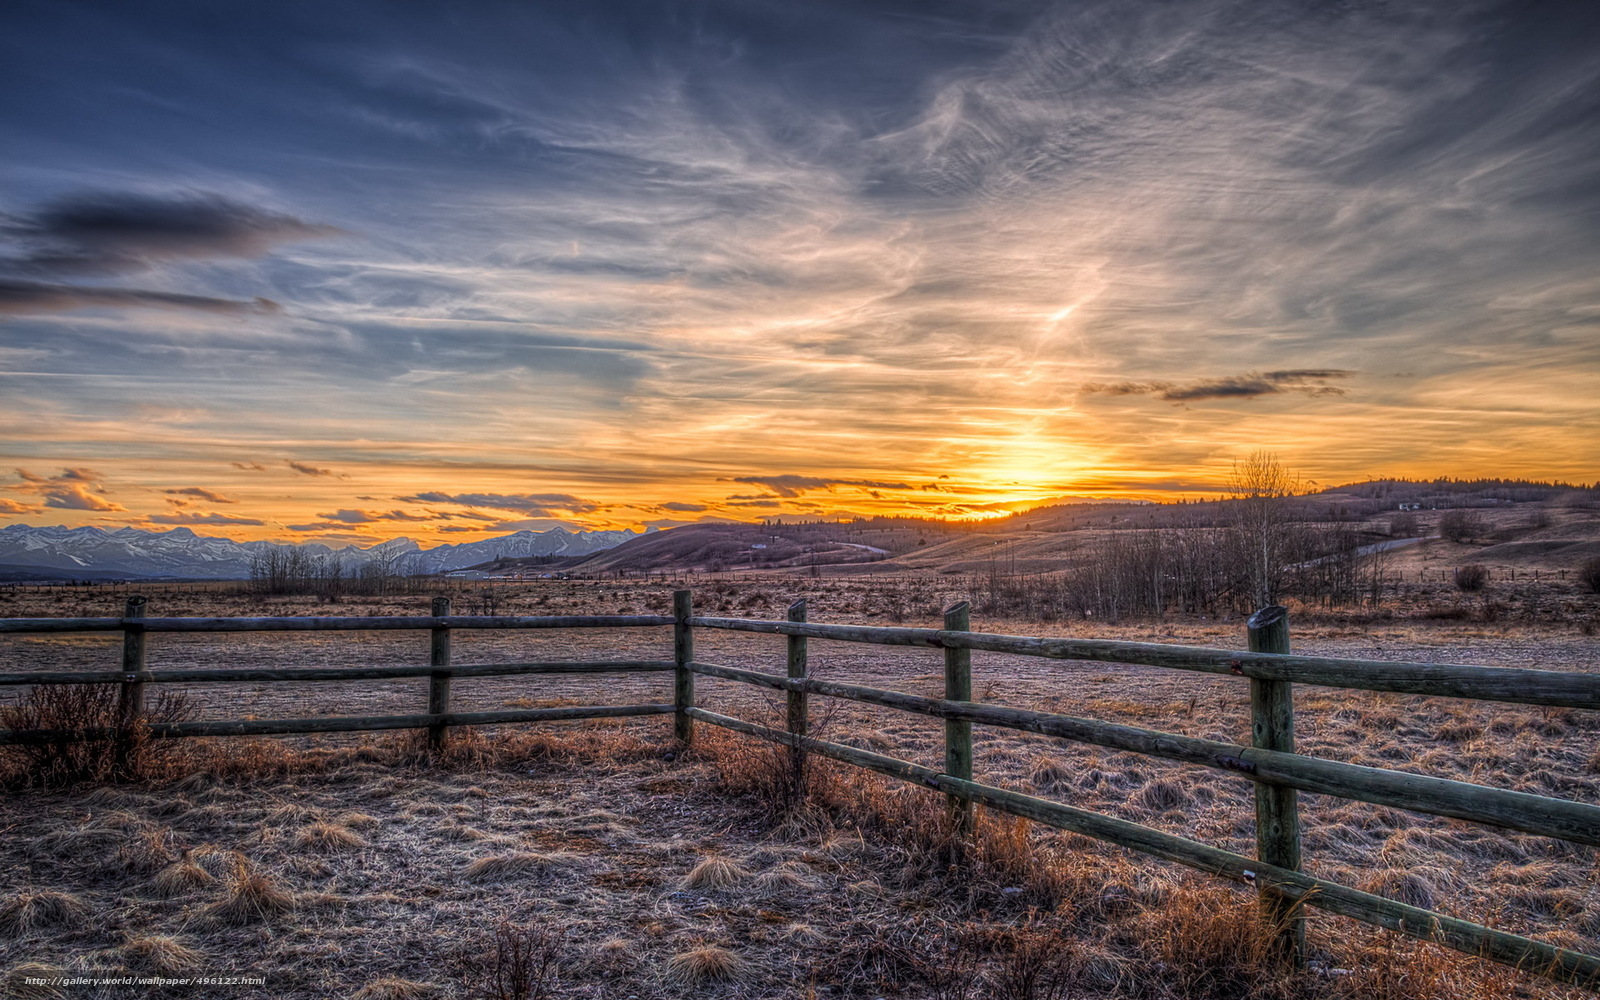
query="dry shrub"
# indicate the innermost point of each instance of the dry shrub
(327, 838)
(1213, 945)
(715, 873)
(707, 963)
(87, 741)
(1037, 964)
(1589, 574)
(1472, 577)
(159, 953)
(519, 962)
(32, 910)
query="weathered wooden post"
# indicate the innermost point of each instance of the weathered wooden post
(130, 694)
(682, 657)
(799, 717)
(1277, 807)
(958, 732)
(439, 680)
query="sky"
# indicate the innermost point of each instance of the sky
(343, 271)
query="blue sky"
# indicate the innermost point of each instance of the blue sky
(663, 262)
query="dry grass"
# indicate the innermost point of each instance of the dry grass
(706, 964)
(841, 884)
(715, 872)
(496, 866)
(34, 910)
(327, 838)
(160, 953)
(252, 896)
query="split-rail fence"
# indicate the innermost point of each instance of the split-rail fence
(1271, 670)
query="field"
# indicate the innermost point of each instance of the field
(356, 866)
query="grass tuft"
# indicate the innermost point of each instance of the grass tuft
(395, 988)
(512, 863)
(327, 838)
(715, 872)
(704, 964)
(32, 910)
(159, 953)
(252, 896)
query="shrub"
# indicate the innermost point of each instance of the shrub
(1589, 574)
(1461, 525)
(1472, 577)
(86, 736)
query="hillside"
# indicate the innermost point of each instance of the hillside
(1523, 526)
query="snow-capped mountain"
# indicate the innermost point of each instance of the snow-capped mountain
(182, 553)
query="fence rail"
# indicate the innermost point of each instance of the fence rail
(1277, 772)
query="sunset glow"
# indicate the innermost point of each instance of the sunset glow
(347, 273)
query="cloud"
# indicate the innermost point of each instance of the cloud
(25, 297)
(681, 507)
(204, 494)
(116, 232)
(311, 470)
(16, 507)
(73, 489)
(540, 504)
(347, 516)
(249, 466)
(793, 486)
(1309, 382)
(199, 518)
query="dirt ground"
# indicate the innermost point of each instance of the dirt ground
(390, 865)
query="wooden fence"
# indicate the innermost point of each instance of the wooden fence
(1278, 773)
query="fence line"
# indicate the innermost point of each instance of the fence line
(1270, 763)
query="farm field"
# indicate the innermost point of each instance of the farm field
(354, 866)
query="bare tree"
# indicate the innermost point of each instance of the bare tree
(1262, 529)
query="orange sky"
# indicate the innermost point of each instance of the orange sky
(515, 271)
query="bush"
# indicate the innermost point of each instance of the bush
(1461, 525)
(86, 739)
(1472, 578)
(1589, 574)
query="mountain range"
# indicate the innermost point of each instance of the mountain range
(28, 551)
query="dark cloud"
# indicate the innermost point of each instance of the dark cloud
(686, 508)
(793, 486)
(347, 516)
(249, 466)
(26, 297)
(1306, 381)
(204, 494)
(309, 470)
(198, 518)
(538, 504)
(113, 233)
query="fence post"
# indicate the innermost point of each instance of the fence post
(682, 656)
(958, 732)
(130, 694)
(799, 716)
(1277, 807)
(438, 681)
